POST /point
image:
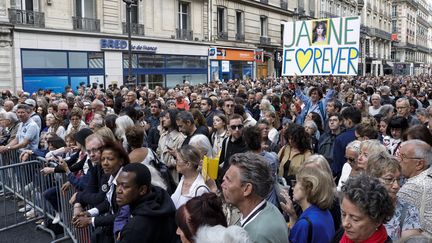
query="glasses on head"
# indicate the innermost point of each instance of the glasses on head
(390, 180)
(95, 150)
(234, 127)
(350, 160)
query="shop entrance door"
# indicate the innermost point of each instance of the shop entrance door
(262, 70)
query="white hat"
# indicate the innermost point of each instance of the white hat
(30, 102)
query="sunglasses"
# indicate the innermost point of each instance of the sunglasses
(234, 127)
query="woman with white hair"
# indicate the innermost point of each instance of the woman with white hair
(265, 106)
(122, 123)
(9, 123)
(221, 234)
(352, 151)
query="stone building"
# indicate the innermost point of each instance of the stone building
(51, 44)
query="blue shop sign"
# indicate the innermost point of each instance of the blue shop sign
(121, 45)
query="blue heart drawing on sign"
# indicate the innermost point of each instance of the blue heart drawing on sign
(303, 58)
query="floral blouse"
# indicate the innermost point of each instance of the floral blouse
(411, 220)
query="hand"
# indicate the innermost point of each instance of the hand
(212, 185)
(24, 156)
(77, 210)
(171, 151)
(3, 149)
(47, 170)
(288, 207)
(72, 200)
(65, 187)
(63, 165)
(81, 221)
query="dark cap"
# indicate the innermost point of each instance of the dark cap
(82, 134)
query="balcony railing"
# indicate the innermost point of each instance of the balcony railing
(264, 40)
(264, 1)
(312, 13)
(222, 35)
(240, 37)
(379, 33)
(184, 34)
(86, 24)
(284, 4)
(137, 29)
(26, 17)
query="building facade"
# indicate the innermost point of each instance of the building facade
(375, 37)
(411, 27)
(50, 44)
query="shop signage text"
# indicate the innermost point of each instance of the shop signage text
(121, 45)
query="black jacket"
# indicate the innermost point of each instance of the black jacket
(229, 148)
(152, 219)
(96, 189)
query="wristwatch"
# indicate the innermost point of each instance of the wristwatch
(8, 147)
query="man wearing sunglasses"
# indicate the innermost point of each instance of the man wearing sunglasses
(233, 144)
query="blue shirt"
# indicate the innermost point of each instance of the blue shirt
(322, 226)
(30, 131)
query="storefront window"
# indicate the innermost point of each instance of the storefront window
(96, 59)
(151, 80)
(44, 59)
(151, 61)
(126, 61)
(186, 62)
(194, 79)
(78, 60)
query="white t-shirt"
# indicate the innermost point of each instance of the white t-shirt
(197, 188)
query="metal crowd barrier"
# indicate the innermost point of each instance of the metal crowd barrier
(22, 184)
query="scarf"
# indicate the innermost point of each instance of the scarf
(380, 236)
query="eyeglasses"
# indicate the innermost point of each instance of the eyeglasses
(405, 157)
(95, 150)
(234, 127)
(390, 181)
(401, 107)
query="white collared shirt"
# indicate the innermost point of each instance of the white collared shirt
(111, 182)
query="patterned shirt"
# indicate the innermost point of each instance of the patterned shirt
(418, 191)
(410, 216)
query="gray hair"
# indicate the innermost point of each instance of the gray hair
(220, 234)
(10, 116)
(254, 170)
(403, 100)
(422, 112)
(421, 150)
(202, 143)
(385, 89)
(185, 116)
(123, 122)
(370, 196)
(386, 109)
(354, 146)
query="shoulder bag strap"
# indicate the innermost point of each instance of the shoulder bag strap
(201, 186)
(310, 229)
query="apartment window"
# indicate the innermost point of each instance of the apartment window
(221, 19)
(394, 27)
(239, 22)
(282, 33)
(134, 13)
(184, 9)
(25, 5)
(85, 8)
(264, 25)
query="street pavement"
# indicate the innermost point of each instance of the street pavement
(26, 233)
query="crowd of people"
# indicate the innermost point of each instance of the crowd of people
(301, 159)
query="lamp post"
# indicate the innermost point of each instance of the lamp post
(131, 80)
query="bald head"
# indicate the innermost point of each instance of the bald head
(8, 105)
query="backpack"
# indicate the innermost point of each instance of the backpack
(164, 172)
(325, 147)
